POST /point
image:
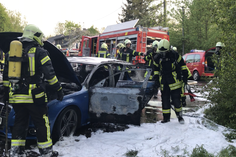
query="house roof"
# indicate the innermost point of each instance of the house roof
(52, 39)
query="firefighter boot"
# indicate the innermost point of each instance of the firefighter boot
(48, 152)
(17, 151)
(180, 117)
(166, 117)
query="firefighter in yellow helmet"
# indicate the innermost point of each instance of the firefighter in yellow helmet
(175, 49)
(103, 52)
(168, 76)
(59, 46)
(219, 46)
(119, 48)
(28, 96)
(127, 53)
(149, 58)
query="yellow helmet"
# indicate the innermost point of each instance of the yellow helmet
(58, 46)
(120, 45)
(164, 45)
(32, 33)
(220, 44)
(155, 44)
(127, 41)
(174, 48)
(104, 46)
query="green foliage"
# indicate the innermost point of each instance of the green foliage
(11, 21)
(67, 28)
(131, 153)
(4, 19)
(93, 30)
(230, 151)
(223, 89)
(230, 136)
(200, 32)
(200, 152)
(144, 10)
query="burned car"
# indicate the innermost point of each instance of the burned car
(96, 90)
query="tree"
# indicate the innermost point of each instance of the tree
(17, 23)
(4, 19)
(67, 28)
(222, 89)
(144, 10)
(200, 32)
(93, 30)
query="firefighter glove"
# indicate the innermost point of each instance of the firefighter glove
(6, 94)
(60, 95)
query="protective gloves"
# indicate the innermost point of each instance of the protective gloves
(60, 94)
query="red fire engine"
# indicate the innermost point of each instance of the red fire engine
(141, 38)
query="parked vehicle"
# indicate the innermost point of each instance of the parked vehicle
(141, 38)
(103, 93)
(200, 63)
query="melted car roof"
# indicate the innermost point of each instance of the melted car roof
(95, 60)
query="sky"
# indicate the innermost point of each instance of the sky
(47, 13)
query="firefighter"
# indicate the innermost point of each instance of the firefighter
(126, 54)
(119, 48)
(169, 74)
(103, 53)
(219, 46)
(59, 46)
(28, 96)
(183, 97)
(149, 58)
(175, 49)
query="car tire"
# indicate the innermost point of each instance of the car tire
(66, 123)
(196, 76)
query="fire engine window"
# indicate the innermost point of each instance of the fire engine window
(190, 59)
(84, 44)
(197, 58)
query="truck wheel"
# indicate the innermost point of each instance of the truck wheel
(196, 76)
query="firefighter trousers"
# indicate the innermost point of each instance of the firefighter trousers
(38, 113)
(175, 96)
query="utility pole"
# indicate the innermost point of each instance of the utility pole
(183, 40)
(164, 4)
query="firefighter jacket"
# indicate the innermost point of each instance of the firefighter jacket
(170, 69)
(126, 54)
(103, 53)
(149, 58)
(35, 68)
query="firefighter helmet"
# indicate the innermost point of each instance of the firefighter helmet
(120, 45)
(155, 44)
(58, 46)
(174, 48)
(164, 45)
(127, 41)
(104, 46)
(32, 33)
(220, 44)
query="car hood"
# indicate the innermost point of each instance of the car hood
(60, 63)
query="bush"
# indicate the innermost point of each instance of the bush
(200, 152)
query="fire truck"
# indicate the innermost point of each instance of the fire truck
(141, 38)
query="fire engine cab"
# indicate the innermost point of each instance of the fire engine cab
(141, 38)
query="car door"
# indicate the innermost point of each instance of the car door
(189, 62)
(116, 103)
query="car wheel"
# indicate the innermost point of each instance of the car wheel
(196, 76)
(66, 123)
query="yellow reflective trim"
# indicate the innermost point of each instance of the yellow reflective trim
(165, 111)
(6, 83)
(127, 58)
(156, 73)
(133, 52)
(59, 88)
(155, 63)
(44, 60)
(32, 50)
(17, 142)
(39, 95)
(53, 80)
(184, 67)
(178, 109)
(49, 142)
(43, 145)
(179, 59)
